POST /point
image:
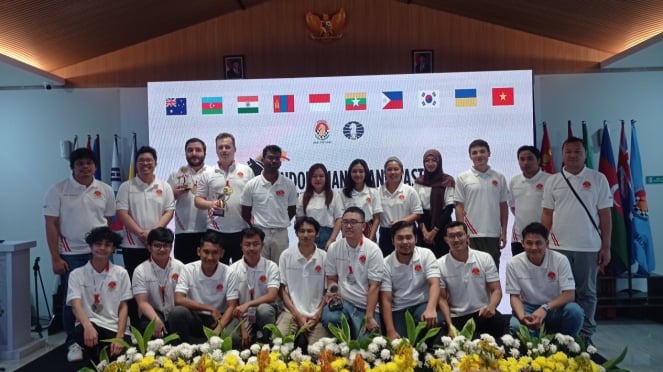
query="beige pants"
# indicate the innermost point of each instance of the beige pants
(286, 320)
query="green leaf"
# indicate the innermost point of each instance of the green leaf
(120, 341)
(336, 331)
(103, 354)
(170, 338)
(227, 344)
(149, 331)
(276, 332)
(354, 345)
(209, 332)
(468, 329)
(431, 333)
(409, 325)
(139, 340)
(347, 335)
(612, 363)
(87, 369)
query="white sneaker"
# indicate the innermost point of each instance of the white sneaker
(75, 353)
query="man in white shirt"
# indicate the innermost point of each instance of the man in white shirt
(355, 267)
(303, 282)
(526, 193)
(73, 207)
(257, 291)
(190, 222)
(584, 240)
(541, 287)
(219, 190)
(481, 202)
(272, 201)
(202, 295)
(470, 285)
(411, 282)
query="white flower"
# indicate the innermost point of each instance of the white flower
(540, 349)
(204, 348)
(574, 347)
(446, 340)
(217, 354)
(373, 347)
(507, 340)
(423, 347)
(277, 341)
(378, 363)
(255, 349)
(245, 354)
(553, 348)
(529, 345)
(102, 364)
(315, 349)
(385, 354)
(276, 348)
(489, 338)
(591, 349)
(155, 344)
(265, 347)
(545, 342)
(440, 353)
(585, 354)
(186, 351)
(296, 355)
(306, 358)
(252, 360)
(380, 341)
(137, 357)
(196, 359)
(165, 349)
(131, 352)
(395, 343)
(150, 353)
(345, 350)
(215, 342)
(353, 355)
(120, 359)
(514, 352)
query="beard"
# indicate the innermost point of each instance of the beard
(194, 161)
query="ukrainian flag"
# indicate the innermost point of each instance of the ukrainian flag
(466, 97)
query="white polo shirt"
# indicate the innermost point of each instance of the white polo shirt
(367, 199)
(367, 264)
(571, 228)
(269, 202)
(304, 279)
(210, 186)
(525, 196)
(112, 286)
(145, 203)
(424, 195)
(398, 204)
(408, 284)
(264, 275)
(466, 282)
(149, 278)
(539, 284)
(481, 193)
(188, 218)
(80, 209)
(211, 290)
(316, 208)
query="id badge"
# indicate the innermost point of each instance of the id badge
(351, 279)
(251, 315)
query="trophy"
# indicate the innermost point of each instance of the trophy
(222, 198)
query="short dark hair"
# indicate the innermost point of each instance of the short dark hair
(307, 219)
(225, 135)
(82, 153)
(212, 237)
(194, 139)
(271, 148)
(355, 209)
(162, 234)
(402, 225)
(574, 140)
(478, 143)
(147, 150)
(101, 234)
(531, 149)
(453, 224)
(536, 228)
(252, 231)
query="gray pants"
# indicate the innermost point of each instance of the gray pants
(585, 269)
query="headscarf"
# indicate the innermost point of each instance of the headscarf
(437, 178)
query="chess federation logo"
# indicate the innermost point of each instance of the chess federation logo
(353, 130)
(322, 130)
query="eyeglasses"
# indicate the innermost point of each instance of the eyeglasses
(350, 222)
(162, 245)
(455, 235)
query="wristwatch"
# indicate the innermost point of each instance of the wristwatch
(546, 307)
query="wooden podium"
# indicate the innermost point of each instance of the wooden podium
(15, 304)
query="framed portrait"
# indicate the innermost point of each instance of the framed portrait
(422, 61)
(234, 67)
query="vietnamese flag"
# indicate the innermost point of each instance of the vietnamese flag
(503, 96)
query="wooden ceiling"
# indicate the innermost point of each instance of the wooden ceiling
(51, 34)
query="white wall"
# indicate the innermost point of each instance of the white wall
(610, 96)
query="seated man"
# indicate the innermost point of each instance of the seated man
(257, 289)
(470, 285)
(201, 293)
(542, 288)
(354, 266)
(411, 282)
(155, 280)
(303, 282)
(98, 293)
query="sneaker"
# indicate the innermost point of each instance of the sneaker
(75, 353)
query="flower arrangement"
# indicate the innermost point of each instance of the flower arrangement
(371, 354)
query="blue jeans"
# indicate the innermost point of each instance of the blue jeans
(567, 320)
(323, 237)
(416, 311)
(355, 315)
(74, 261)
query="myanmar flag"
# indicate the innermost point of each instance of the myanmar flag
(503, 96)
(284, 103)
(247, 104)
(212, 105)
(355, 101)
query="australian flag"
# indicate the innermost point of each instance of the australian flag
(175, 106)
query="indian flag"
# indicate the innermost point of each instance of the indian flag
(319, 102)
(355, 101)
(212, 105)
(247, 104)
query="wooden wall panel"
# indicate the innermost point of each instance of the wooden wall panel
(378, 39)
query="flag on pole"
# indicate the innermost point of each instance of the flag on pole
(89, 142)
(116, 180)
(132, 159)
(97, 151)
(547, 163)
(589, 161)
(643, 246)
(607, 167)
(626, 188)
(569, 129)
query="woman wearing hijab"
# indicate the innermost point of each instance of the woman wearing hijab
(436, 192)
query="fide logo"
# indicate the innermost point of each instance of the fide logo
(353, 130)
(322, 130)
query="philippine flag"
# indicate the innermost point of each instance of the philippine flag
(392, 100)
(428, 98)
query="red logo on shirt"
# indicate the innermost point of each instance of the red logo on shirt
(240, 174)
(263, 278)
(362, 259)
(159, 191)
(176, 276)
(219, 287)
(494, 182)
(280, 192)
(417, 267)
(318, 268)
(401, 196)
(112, 284)
(475, 271)
(586, 184)
(97, 193)
(539, 186)
(551, 275)
(368, 199)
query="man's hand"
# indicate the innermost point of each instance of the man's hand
(502, 240)
(535, 319)
(116, 349)
(159, 328)
(371, 325)
(487, 311)
(60, 266)
(604, 256)
(430, 317)
(90, 336)
(392, 335)
(241, 310)
(246, 338)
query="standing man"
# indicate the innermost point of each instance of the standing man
(272, 200)
(541, 286)
(354, 267)
(257, 290)
(411, 282)
(143, 203)
(576, 210)
(470, 285)
(526, 193)
(219, 190)
(303, 282)
(73, 207)
(190, 222)
(481, 202)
